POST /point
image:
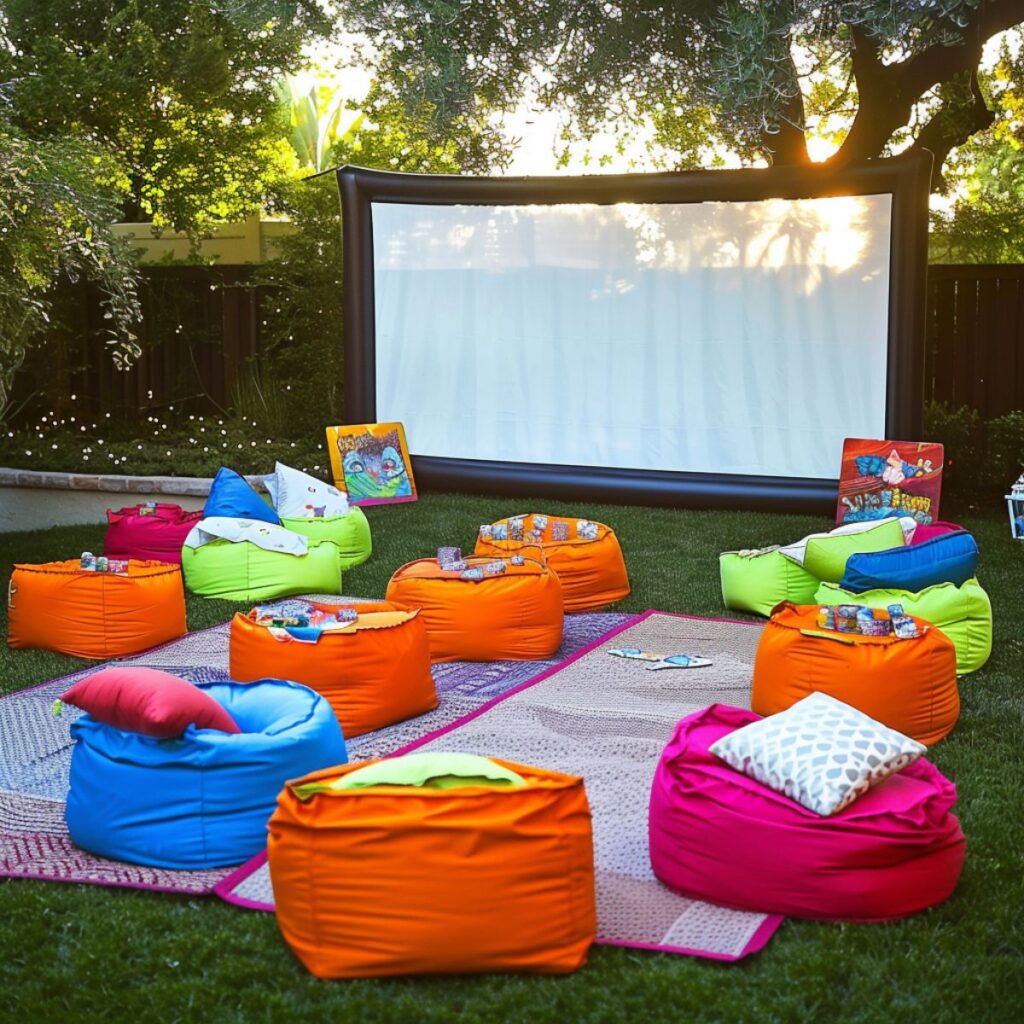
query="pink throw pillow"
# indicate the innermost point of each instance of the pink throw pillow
(148, 701)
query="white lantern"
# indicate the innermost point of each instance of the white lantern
(1015, 506)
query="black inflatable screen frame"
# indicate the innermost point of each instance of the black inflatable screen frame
(907, 179)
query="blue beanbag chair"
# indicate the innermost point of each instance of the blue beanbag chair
(203, 799)
(949, 558)
(230, 495)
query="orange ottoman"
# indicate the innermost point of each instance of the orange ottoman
(908, 685)
(374, 672)
(586, 555)
(514, 616)
(425, 872)
(58, 606)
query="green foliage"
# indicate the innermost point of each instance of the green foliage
(984, 219)
(706, 74)
(318, 119)
(982, 458)
(55, 215)
(180, 93)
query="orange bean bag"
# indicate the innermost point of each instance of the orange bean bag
(909, 685)
(374, 673)
(407, 879)
(592, 570)
(516, 616)
(57, 606)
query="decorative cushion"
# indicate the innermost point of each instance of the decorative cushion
(820, 752)
(297, 495)
(909, 685)
(719, 836)
(154, 535)
(514, 616)
(585, 554)
(231, 496)
(414, 879)
(826, 556)
(374, 673)
(201, 800)
(436, 770)
(148, 701)
(963, 613)
(58, 606)
(948, 558)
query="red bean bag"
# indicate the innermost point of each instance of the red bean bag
(937, 529)
(719, 836)
(154, 535)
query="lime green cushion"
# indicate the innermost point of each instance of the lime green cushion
(826, 557)
(351, 534)
(756, 581)
(245, 572)
(963, 613)
(429, 770)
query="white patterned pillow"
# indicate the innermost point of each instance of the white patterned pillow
(821, 752)
(297, 495)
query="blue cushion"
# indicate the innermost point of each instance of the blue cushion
(201, 800)
(949, 558)
(231, 496)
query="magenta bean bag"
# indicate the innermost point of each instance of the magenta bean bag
(719, 836)
(936, 529)
(157, 536)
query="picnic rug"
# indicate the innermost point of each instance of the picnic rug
(35, 750)
(608, 719)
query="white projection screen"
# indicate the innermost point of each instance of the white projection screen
(683, 349)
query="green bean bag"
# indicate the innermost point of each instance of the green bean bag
(756, 581)
(350, 533)
(963, 613)
(826, 556)
(242, 571)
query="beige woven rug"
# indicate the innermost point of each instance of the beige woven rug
(608, 719)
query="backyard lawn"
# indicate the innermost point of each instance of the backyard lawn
(73, 952)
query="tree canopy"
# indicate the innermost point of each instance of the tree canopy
(750, 76)
(180, 94)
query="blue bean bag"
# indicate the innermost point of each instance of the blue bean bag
(201, 800)
(231, 496)
(949, 558)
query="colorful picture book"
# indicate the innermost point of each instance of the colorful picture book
(879, 479)
(370, 461)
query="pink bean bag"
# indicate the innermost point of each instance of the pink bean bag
(155, 536)
(718, 836)
(936, 529)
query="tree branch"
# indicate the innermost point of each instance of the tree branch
(887, 93)
(785, 142)
(953, 124)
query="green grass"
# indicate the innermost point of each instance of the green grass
(116, 955)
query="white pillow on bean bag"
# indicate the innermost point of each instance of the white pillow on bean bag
(297, 495)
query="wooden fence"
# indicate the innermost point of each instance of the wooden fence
(203, 327)
(975, 351)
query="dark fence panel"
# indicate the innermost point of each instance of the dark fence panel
(975, 349)
(202, 330)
